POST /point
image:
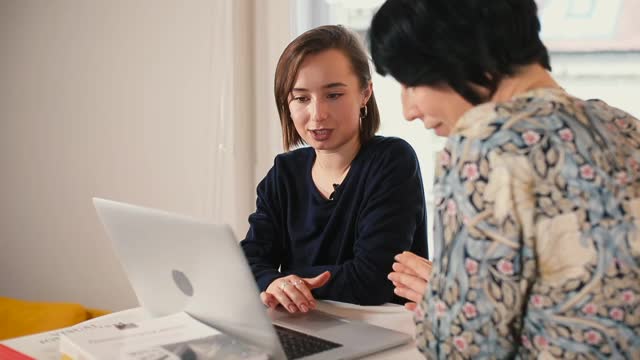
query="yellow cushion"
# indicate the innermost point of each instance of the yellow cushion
(19, 317)
(94, 313)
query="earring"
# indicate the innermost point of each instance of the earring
(363, 114)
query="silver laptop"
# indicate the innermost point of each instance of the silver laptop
(176, 263)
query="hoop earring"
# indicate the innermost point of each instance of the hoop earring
(363, 114)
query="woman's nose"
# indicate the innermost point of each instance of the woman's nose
(319, 111)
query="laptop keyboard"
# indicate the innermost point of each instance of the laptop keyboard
(297, 344)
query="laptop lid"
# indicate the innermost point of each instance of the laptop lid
(176, 263)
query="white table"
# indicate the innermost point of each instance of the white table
(44, 346)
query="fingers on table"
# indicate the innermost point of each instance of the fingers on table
(268, 299)
(291, 296)
(302, 287)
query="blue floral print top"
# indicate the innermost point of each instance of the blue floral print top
(537, 233)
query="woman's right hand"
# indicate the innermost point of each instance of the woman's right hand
(293, 292)
(410, 277)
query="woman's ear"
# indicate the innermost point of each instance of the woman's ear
(367, 93)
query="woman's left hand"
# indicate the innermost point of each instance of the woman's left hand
(293, 292)
(410, 276)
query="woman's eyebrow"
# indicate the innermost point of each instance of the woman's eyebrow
(328, 86)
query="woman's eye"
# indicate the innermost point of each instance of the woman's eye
(300, 98)
(334, 95)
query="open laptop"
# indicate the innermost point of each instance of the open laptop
(176, 263)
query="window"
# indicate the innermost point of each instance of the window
(595, 48)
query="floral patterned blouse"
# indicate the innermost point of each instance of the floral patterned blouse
(537, 233)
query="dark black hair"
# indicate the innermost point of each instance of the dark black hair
(458, 43)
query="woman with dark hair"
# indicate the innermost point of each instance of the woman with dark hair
(537, 237)
(331, 216)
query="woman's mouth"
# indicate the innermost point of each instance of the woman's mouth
(440, 130)
(321, 134)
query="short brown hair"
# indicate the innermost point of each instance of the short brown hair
(312, 42)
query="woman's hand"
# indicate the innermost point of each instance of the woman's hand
(410, 277)
(293, 292)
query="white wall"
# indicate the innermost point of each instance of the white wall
(611, 77)
(145, 101)
(274, 30)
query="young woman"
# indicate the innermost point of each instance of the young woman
(331, 216)
(537, 229)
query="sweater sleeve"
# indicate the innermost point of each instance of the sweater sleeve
(263, 245)
(386, 223)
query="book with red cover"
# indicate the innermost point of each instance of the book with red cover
(7, 353)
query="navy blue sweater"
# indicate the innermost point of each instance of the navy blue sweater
(377, 212)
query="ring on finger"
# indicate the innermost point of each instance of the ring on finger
(296, 282)
(284, 284)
